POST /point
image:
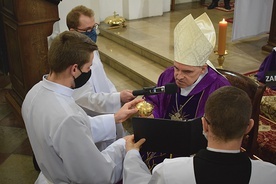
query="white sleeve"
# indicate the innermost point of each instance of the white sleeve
(82, 161)
(120, 131)
(177, 170)
(135, 170)
(97, 102)
(103, 127)
(262, 171)
(100, 80)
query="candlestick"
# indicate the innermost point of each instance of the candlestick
(222, 37)
(221, 58)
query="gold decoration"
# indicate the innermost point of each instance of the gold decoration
(221, 58)
(115, 20)
(144, 109)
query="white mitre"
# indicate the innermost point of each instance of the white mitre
(194, 40)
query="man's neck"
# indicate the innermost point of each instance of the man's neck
(222, 145)
(223, 151)
(60, 78)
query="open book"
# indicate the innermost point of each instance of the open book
(183, 138)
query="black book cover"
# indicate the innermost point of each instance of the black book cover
(183, 138)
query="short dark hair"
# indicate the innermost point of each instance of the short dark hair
(72, 18)
(68, 48)
(228, 109)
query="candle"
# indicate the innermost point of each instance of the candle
(222, 37)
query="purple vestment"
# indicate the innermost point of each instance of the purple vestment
(269, 64)
(209, 83)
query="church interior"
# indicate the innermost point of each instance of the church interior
(133, 57)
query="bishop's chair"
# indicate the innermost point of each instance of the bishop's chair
(255, 92)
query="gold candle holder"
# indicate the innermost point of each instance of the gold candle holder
(221, 58)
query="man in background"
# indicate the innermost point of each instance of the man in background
(214, 4)
(98, 95)
(99, 88)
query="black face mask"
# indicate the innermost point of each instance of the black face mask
(82, 79)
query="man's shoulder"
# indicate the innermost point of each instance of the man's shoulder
(178, 169)
(264, 165)
(34, 90)
(263, 171)
(218, 78)
(178, 160)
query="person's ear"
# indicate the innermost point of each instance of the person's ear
(204, 125)
(74, 69)
(249, 126)
(204, 68)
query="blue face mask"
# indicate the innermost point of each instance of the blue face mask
(92, 35)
